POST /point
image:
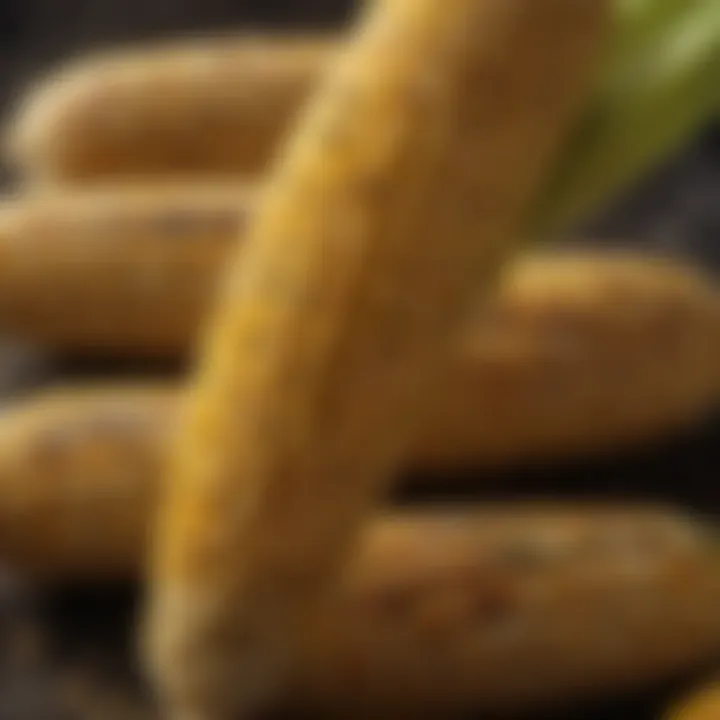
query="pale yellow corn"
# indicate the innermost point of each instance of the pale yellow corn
(580, 349)
(217, 105)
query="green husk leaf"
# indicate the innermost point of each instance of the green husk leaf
(659, 85)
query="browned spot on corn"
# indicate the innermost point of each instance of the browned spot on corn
(218, 105)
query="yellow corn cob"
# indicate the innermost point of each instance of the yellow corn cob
(438, 121)
(492, 607)
(215, 105)
(703, 704)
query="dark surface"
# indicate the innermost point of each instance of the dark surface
(68, 653)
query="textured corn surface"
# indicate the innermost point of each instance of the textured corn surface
(578, 348)
(494, 607)
(578, 352)
(217, 105)
(128, 269)
(345, 304)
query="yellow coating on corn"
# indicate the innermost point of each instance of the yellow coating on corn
(438, 121)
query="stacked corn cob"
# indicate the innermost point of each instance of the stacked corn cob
(347, 182)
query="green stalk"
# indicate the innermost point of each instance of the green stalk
(660, 85)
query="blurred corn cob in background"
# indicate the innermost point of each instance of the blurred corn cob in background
(85, 462)
(495, 607)
(596, 600)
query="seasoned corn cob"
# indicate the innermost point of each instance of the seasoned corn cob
(659, 88)
(342, 309)
(495, 607)
(104, 450)
(216, 105)
(703, 704)
(126, 270)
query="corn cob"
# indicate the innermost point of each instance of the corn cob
(216, 105)
(135, 266)
(128, 270)
(135, 269)
(580, 350)
(579, 353)
(393, 153)
(104, 450)
(490, 607)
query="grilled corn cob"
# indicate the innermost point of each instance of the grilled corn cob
(343, 287)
